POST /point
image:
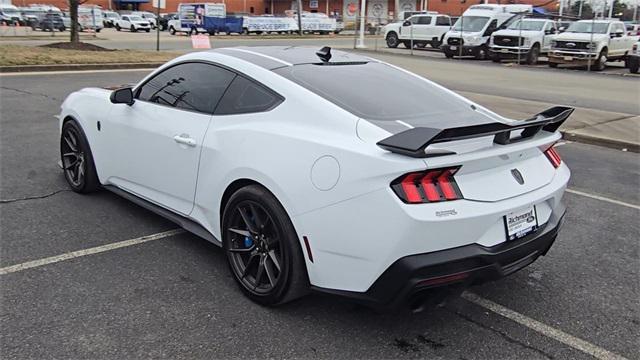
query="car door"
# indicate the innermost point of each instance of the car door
(124, 23)
(155, 143)
(547, 36)
(421, 28)
(616, 44)
(442, 25)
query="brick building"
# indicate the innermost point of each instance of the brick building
(345, 8)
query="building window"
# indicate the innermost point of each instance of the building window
(251, 10)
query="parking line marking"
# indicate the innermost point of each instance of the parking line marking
(89, 251)
(602, 198)
(544, 329)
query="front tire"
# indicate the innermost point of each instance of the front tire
(634, 65)
(262, 247)
(532, 56)
(601, 61)
(77, 160)
(481, 54)
(392, 40)
(118, 28)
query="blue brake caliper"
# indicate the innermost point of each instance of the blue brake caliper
(248, 242)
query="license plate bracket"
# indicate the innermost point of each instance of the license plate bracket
(521, 222)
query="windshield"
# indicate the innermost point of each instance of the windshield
(471, 23)
(588, 27)
(527, 25)
(135, 18)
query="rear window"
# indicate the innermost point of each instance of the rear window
(376, 91)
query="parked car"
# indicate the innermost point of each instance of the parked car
(345, 189)
(10, 15)
(423, 29)
(591, 42)
(146, 15)
(470, 35)
(163, 22)
(66, 19)
(132, 23)
(633, 61)
(633, 29)
(47, 21)
(109, 18)
(525, 38)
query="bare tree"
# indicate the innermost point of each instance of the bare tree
(73, 14)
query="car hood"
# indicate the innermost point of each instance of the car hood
(508, 32)
(570, 36)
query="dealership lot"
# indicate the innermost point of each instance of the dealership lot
(174, 296)
(112, 39)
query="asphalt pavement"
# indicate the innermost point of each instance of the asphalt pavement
(175, 298)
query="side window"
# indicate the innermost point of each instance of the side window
(189, 86)
(424, 20)
(125, 18)
(443, 21)
(246, 96)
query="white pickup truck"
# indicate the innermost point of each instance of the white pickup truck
(526, 39)
(588, 42)
(428, 28)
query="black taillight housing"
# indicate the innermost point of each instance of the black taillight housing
(427, 186)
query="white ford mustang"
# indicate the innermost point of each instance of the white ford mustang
(325, 171)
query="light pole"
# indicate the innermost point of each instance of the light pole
(363, 10)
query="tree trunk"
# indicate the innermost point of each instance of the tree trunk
(73, 14)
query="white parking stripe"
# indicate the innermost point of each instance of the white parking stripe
(85, 252)
(602, 198)
(544, 329)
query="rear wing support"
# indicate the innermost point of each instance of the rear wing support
(413, 142)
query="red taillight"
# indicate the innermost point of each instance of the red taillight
(427, 186)
(553, 157)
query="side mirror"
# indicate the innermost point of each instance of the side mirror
(406, 23)
(619, 33)
(122, 96)
(561, 29)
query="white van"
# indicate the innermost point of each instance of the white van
(470, 35)
(191, 17)
(90, 18)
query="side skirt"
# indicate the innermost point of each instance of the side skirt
(185, 223)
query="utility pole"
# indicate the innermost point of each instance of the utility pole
(561, 8)
(299, 17)
(635, 11)
(611, 9)
(363, 13)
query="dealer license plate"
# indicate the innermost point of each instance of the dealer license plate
(568, 58)
(454, 48)
(521, 222)
(504, 50)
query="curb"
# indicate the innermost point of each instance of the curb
(77, 67)
(593, 140)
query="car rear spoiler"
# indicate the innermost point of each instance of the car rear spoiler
(413, 142)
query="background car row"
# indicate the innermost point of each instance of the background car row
(499, 32)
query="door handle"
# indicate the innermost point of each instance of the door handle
(184, 139)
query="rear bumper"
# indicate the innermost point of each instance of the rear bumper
(410, 277)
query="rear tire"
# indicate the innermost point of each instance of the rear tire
(262, 247)
(448, 54)
(553, 65)
(77, 159)
(634, 66)
(118, 28)
(172, 30)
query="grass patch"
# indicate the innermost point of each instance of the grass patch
(14, 55)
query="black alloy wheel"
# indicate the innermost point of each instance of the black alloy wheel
(262, 247)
